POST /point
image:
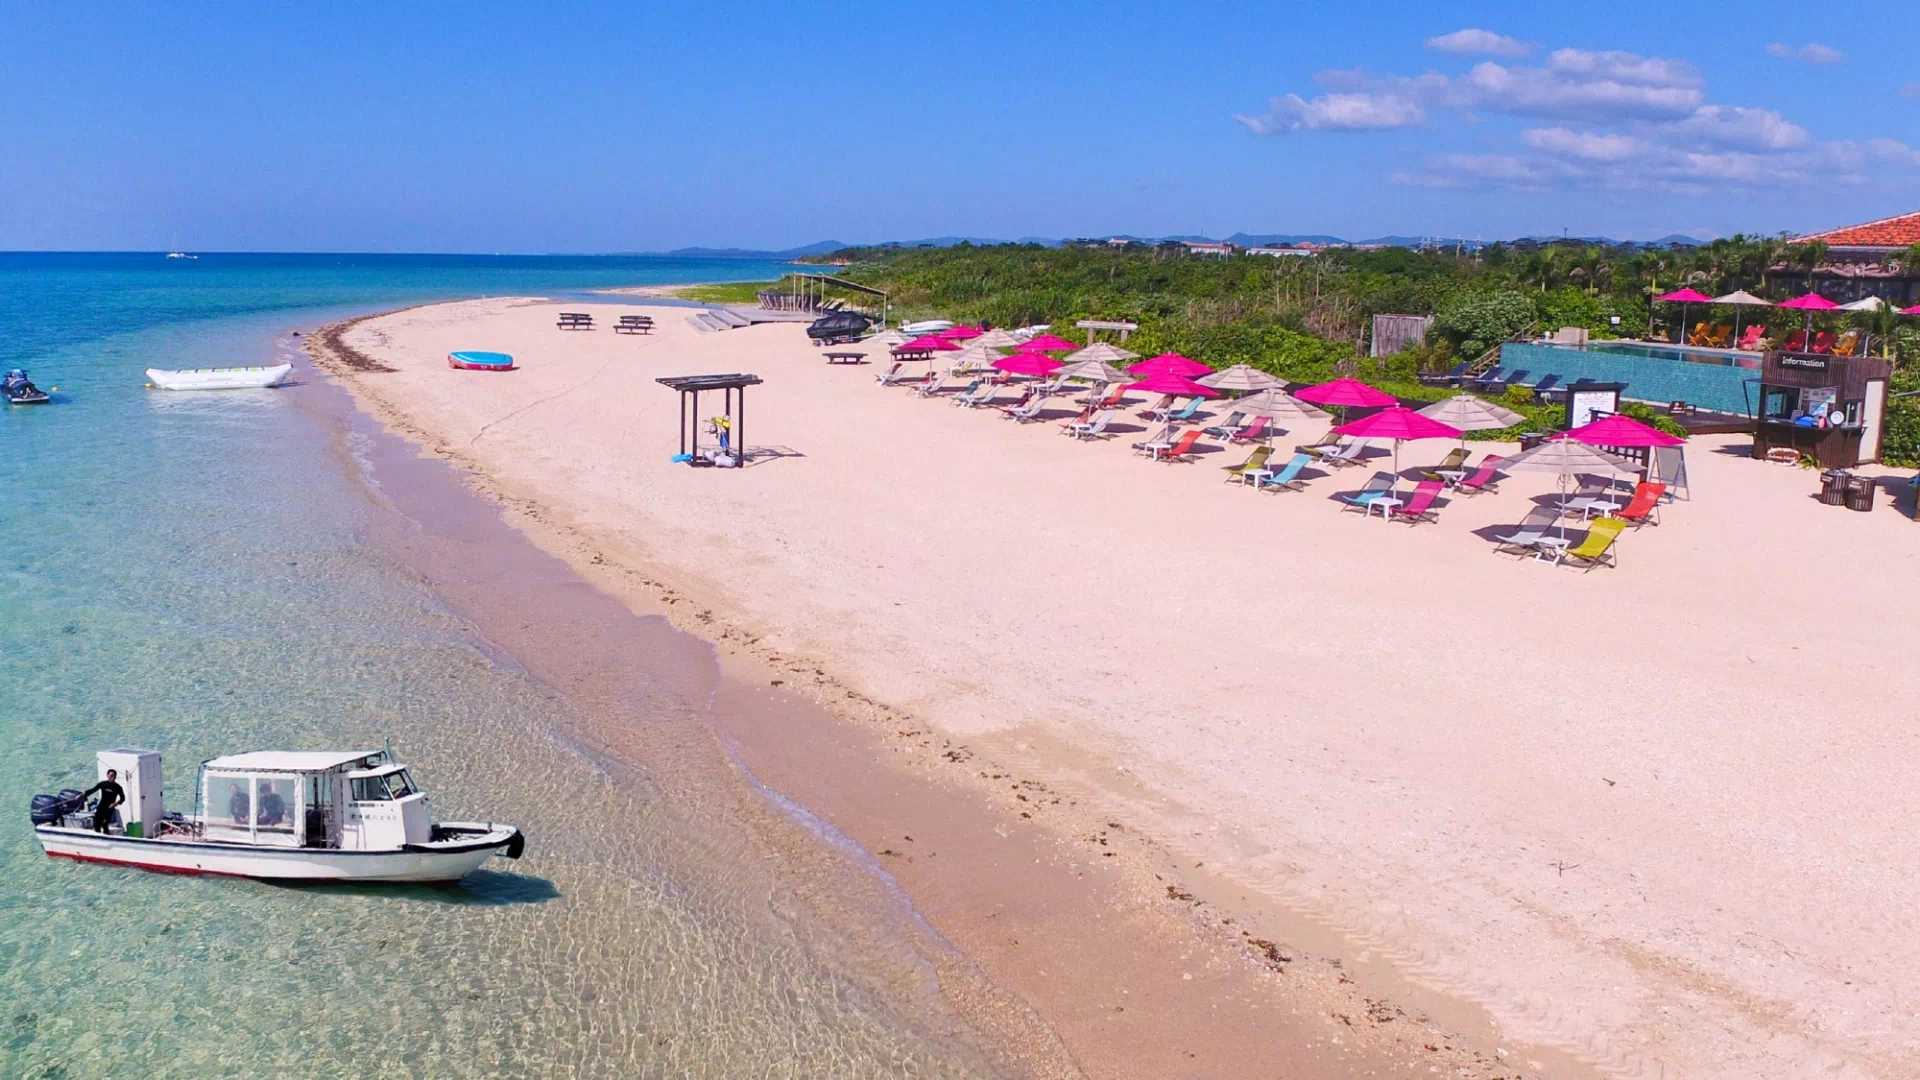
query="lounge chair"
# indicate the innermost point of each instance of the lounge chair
(1327, 444)
(1175, 412)
(1750, 341)
(891, 375)
(1499, 386)
(1529, 532)
(1702, 333)
(1346, 454)
(1254, 432)
(1163, 437)
(1186, 414)
(1156, 410)
(1488, 379)
(1546, 384)
(1847, 344)
(1094, 393)
(1232, 425)
(1180, 451)
(1446, 378)
(1822, 342)
(1419, 505)
(1288, 478)
(1597, 549)
(1029, 410)
(1095, 428)
(933, 385)
(1114, 397)
(1455, 458)
(1481, 479)
(1796, 342)
(1380, 485)
(1644, 508)
(987, 392)
(1254, 463)
(1718, 337)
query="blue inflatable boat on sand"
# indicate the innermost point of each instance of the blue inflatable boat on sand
(467, 360)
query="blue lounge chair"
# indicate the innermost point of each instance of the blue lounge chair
(1380, 485)
(1446, 378)
(1546, 384)
(1499, 386)
(1488, 379)
(1288, 478)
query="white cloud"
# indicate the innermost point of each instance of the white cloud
(1589, 87)
(1479, 43)
(1740, 128)
(1893, 152)
(1335, 112)
(1586, 145)
(1811, 52)
(1623, 67)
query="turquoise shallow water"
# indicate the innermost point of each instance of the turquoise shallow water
(194, 574)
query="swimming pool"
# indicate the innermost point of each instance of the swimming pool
(1679, 352)
(1655, 373)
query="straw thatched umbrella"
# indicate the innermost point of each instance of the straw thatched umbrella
(1103, 352)
(1469, 413)
(1277, 404)
(1241, 379)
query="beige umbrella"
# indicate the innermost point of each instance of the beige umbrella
(1871, 303)
(886, 339)
(1103, 352)
(1741, 298)
(1470, 413)
(1241, 379)
(996, 339)
(974, 356)
(1097, 370)
(1277, 404)
(1568, 458)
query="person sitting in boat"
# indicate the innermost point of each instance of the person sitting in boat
(111, 795)
(273, 809)
(238, 804)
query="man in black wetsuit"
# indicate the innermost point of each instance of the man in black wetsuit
(111, 796)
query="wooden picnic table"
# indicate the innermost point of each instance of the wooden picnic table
(634, 324)
(575, 320)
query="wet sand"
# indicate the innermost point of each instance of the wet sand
(1065, 955)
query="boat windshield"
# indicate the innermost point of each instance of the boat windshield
(396, 785)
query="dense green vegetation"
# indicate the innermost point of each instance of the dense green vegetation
(1305, 318)
(732, 292)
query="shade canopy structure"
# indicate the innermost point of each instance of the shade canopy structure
(1097, 370)
(1167, 382)
(961, 333)
(1871, 303)
(1241, 379)
(1399, 424)
(1277, 404)
(1169, 362)
(974, 356)
(1621, 430)
(928, 342)
(1027, 363)
(1470, 413)
(1684, 296)
(1568, 458)
(1346, 392)
(997, 339)
(1048, 343)
(885, 339)
(1104, 352)
(730, 426)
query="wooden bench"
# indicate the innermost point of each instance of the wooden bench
(634, 324)
(575, 320)
(835, 356)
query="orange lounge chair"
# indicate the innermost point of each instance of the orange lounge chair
(1720, 336)
(1180, 451)
(1701, 333)
(1848, 343)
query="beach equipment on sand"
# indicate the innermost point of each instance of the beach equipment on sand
(1598, 548)
(1097, 370)
(1288, 478)
(1621, 430)
(468, 360)
(1027, 363)
(1168, 362)
(996, 339)
(1048, 343)
(1419, 505)
(927, 343)
(1104, 352)
(961, 333)
(1568, 458)
(239, 378)
(1241, 379)
(1255, 462)
(1278, 404)
(1345, 392)
(1167, 382)
(1471, 413)
(885, 339)
(1398, 423)
(974, 356)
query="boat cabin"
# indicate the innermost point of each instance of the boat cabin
(352, 800)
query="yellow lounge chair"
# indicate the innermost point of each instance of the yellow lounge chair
(1254, 463)
(1719, 337)
(1597, 548)
(1701, 333)
(1847, 344)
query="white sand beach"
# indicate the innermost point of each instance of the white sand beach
(1657, 815)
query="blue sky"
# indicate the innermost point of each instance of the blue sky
(475, 127)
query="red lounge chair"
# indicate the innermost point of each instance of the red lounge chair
(1644, 507)
(1823, 342)
(1750, 341)
(1481, 478)
(1113, 399)
(1419, 505)
(1180, 451)
(1797, 341)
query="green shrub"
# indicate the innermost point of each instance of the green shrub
(1478, 322)
(1517, 396)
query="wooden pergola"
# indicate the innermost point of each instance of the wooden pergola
(732, 420)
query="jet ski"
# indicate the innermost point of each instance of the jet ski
(838, 327)
(19, 390)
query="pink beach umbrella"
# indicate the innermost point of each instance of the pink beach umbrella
(928, 343)
(1345, 392)
(1914, 310)
(1047, 343)
(1168, 382)
(1809, 303)
(961, 333)
(1683, 297)
(1169, 363)
(1398, 423)
(1621, 430)
(1027, 363)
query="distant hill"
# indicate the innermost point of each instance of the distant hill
(820, 248)
(1241, 239)
(1274, 239)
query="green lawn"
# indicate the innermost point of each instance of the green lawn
(734, 292)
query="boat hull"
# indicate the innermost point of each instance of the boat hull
(239, 378)
(480, 361)
(442, 861)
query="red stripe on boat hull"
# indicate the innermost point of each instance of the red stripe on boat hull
(155, 867)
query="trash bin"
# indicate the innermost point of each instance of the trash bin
(1860, 490)
(1833, 486)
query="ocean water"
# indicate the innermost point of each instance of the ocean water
(198, 574)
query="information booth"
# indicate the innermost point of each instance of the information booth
(1829, 408)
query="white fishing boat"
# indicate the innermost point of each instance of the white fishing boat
(928, 326)
(180, 255)
(304, 815)
(219, 378)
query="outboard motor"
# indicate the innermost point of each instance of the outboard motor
(46, 809)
